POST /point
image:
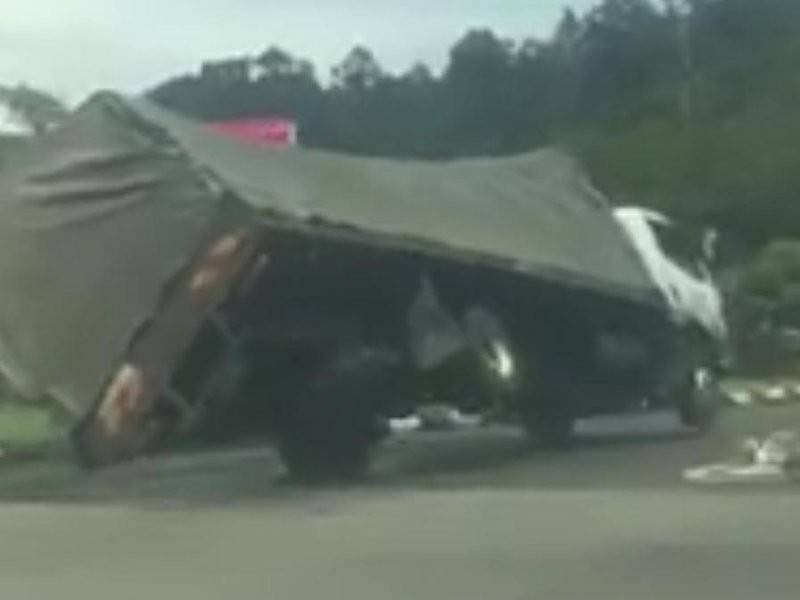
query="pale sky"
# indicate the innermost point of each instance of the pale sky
(73, 47)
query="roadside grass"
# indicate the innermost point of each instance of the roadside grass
(26, 430)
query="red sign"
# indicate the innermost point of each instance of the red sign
(271, 132)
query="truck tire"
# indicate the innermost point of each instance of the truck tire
(546, 410)
(700, 400)
(330, 429)
(552, 428)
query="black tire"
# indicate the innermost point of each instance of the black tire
(330, 429)
(547, 411)
(552, 428)
(700, 400)
(546, 394)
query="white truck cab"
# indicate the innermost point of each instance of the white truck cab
(679, 268)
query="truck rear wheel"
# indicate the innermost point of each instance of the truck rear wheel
(334, 423)
(552, 427)
(547, 412)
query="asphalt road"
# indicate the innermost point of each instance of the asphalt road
(467, 515)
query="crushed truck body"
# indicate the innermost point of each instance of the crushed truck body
(156, 276)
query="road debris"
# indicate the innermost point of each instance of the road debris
(435, 418)
(747, 393)
(775, 394)
(405, 424)
(776, 459)
(725, 473)
(741, 398)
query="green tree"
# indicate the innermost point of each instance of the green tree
(39, 109)
(628, 63)
(359, 71)
(480, 92)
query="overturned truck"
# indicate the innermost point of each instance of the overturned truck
(154, 276)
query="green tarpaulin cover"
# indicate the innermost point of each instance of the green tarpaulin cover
(97, 216)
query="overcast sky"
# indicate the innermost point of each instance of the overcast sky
(72, 47)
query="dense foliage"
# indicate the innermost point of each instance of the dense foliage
(37, 108)
(692, 105)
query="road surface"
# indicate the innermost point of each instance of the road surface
(467, 515)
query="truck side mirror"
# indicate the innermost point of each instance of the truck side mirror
(704, 271)
(710, 243)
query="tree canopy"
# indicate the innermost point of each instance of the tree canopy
(37, 108)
